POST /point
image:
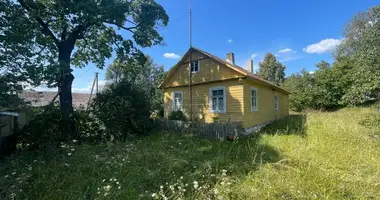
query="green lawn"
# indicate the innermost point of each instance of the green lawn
(321, 155)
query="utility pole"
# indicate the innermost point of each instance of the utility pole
(190, 72)
(92, 88)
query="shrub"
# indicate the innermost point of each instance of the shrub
(43, 130)
(177, 115)
(124, 109)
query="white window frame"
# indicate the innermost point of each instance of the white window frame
(173, 103)
(199, 66)
(257, 100)
(275, 102)
(224, 99)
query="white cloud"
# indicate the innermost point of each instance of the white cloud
(326, 45)
(311, 72)
(286, 50)
(229, 41)
(254, 55)
(171, 56)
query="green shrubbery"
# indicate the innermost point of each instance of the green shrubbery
(123, 109)
(177, 115)
(44, 128)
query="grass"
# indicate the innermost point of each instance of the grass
(320, 155)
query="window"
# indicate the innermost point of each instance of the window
(195, 66)
(254, 103)
(275, 103)
(218, 99)
(177, 101)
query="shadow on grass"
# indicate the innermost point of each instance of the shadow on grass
(293, 124)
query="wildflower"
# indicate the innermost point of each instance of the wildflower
(72, 149)
(69, 154)
(161, 187)
(181, 177)
(104, 180)
(13, 173)
(119, 187)
(117, 183)
(222, 183)
(154, 195)
(6, 176)
(75, 141)
(215, 191)
(107, 188)
(105, 194)
(195, 184)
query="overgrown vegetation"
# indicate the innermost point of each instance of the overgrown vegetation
(320, 155)
(124, 109)
(353, 78)
(177, 115)
(42, 40)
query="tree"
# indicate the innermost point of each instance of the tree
(362, 43)
(145, 76)
(53, 35)
(272, 70)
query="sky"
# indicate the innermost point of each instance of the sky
(299, 33)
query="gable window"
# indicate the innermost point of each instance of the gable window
(254, 99)
(177, 101)
(275, 103)
(195, 66)
(218, 99)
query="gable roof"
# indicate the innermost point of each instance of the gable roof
(234, 67)
(37, 99)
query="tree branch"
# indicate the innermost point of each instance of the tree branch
(45, 27)
(130, 29)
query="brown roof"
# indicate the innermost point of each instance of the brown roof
(237, 68)
(37, 99)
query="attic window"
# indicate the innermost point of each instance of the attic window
(195, 66)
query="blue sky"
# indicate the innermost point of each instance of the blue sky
(300, 33)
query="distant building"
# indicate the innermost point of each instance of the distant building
(38, 99)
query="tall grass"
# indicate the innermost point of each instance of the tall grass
(319, 155)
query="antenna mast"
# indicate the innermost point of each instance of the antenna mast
(190, 52)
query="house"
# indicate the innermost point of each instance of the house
(222, 91)
(38, 98)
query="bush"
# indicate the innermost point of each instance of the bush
(177, 115)
(43, 130)
(123, 109)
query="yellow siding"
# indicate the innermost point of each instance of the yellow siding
(201, 109)
(210, 70)
(266, 111)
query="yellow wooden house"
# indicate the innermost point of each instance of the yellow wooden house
(222, 91)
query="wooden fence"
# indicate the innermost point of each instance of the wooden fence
(211, 130)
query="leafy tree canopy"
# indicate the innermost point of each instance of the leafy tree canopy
(43, 39)
(271, 69)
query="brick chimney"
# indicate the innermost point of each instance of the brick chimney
(249, 66)
(230, 58)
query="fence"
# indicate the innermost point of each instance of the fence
(211, 130)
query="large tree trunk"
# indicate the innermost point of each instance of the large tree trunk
(64, 87)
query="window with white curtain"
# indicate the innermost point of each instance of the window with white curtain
(177, 101)
(218, 99)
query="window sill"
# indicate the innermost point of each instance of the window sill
(217, 111)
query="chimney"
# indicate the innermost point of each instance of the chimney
(249, 66)
(231, 58)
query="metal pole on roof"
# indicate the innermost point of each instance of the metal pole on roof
(190, 63)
